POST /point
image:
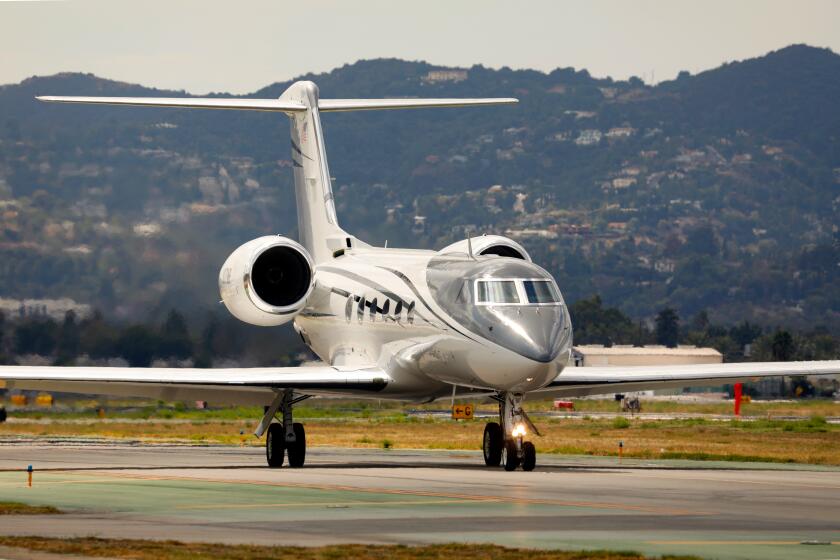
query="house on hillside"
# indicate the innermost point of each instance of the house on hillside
(453, 75)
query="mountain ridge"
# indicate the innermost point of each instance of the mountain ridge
(711, 191)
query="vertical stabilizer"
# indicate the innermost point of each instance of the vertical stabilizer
(317, 223)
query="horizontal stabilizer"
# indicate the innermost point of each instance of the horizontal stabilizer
(186, 102)
(278, 105)
(325, 105)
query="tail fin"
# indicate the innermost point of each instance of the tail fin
(317, 222)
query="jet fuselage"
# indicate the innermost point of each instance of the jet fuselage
(428, 320)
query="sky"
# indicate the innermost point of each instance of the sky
(238, 47)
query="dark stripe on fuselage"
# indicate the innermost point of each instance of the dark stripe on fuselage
(373, 285)
(411, 286)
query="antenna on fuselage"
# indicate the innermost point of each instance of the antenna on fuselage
(469, 246)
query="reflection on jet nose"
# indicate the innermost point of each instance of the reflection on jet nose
(536, 333)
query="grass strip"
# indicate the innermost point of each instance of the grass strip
(153, 550)
(142, 409)
(16, 508)
(812, 441)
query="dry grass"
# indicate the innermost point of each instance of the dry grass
(801, 408)
(153, 550)
(16, 508)
(805, 441)
(144, 409)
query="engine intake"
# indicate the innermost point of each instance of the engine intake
(267, 281)
(281, 276)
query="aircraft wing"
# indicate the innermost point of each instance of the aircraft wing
(582, 381)
(255, 386)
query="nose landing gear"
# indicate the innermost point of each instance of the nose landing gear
(505, 443)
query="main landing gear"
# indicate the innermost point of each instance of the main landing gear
(504, 443)
(286, 437)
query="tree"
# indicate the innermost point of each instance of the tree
(138, 345)
(782, 346)
(701, 241)
(98, 338)
(175, 338)
(668, 327)
(207, 344)
(745, 333)
(701, 322)
(596, 324)
(69, 340)
(35, 336)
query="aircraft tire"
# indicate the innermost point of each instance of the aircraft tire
(2, 414)
(492, 444)
(510, 457)
(529, 456)
(297, 449)
(275, 447)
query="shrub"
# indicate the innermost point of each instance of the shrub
(621, 423)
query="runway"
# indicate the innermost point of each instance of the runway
(226, 494)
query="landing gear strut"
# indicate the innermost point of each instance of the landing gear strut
(504, 443)
(284, 438)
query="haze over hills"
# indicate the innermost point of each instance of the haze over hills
(717, 191)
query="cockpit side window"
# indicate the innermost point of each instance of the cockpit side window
(497, 291)
(540, 291)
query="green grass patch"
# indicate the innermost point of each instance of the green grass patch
(17, 508)
(620, 423)
(153, 550)
(729, 457)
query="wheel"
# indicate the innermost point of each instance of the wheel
(492, 445)
(529, 456)
(2, 415)
(297, 449)
(275, 446)
(510, 457)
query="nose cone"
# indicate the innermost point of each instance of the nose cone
(536, 332)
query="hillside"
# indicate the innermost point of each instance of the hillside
(716, 191)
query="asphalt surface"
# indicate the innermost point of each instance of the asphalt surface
(226, 494)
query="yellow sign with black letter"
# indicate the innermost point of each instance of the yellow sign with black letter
(462, 411)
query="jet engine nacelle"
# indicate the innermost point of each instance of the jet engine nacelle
(266, 281)
(490, 245)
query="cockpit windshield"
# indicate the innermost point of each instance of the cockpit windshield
(516, 292)
(497, 291)
(540, 291)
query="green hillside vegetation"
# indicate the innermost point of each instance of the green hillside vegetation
(712, 193)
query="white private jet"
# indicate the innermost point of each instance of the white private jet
(477, 319)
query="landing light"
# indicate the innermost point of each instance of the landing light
(518, 430)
